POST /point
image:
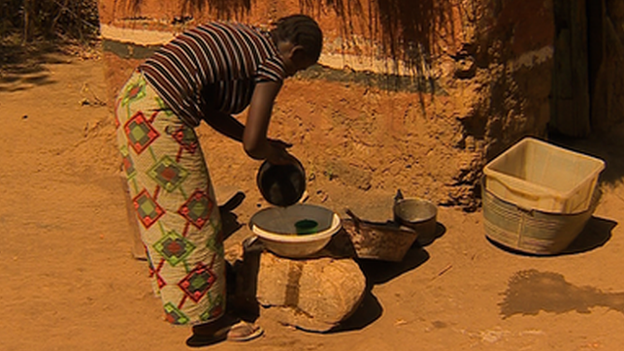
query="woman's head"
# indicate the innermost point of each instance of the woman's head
(300, 40)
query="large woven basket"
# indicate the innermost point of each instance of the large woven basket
(532, 231)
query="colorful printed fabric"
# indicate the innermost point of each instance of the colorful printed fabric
(175, 205)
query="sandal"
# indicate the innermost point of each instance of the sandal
(244, 331)
(199, 340)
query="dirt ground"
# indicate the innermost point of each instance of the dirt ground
(68, 280)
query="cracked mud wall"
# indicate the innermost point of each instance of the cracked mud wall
(411, 95)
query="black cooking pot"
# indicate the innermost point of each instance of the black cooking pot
(281, 185)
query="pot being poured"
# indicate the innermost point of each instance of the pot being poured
(281, 185)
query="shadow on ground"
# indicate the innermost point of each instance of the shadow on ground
(380, 272)
(595, 234)
(23, 66)
(229, 220)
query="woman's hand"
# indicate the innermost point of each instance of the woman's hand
(278, 154)
(280, 143)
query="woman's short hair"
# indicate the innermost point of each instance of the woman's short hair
(300, 30)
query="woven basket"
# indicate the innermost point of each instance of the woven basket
(385, 242)
(532, 231)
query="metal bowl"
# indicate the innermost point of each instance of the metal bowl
(418, 214)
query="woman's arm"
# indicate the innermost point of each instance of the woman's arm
(255, 141)
(225, 124)
(253, 136)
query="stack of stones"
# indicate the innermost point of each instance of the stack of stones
(314, 294)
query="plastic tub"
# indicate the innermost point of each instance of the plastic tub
(536, 175)
(534, 232)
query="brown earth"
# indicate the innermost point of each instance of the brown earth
(479, 79)
(69, 282)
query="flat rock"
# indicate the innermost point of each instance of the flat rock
(373, 205)
(314, 295)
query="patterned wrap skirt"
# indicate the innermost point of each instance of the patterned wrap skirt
(175, 205)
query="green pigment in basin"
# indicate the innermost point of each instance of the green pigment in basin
(306, 226)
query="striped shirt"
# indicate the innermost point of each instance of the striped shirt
(213, 67)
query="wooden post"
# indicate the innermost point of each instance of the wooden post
(26, 21)
(570, 92)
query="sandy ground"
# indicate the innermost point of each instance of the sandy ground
(68, 280)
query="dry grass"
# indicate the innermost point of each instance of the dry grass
(35, 20)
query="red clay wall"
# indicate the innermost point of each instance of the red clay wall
(486, 68)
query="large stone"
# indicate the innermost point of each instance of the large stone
(315, 294)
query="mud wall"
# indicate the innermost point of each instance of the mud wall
(416, 95)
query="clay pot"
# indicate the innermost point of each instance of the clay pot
(281, 185)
